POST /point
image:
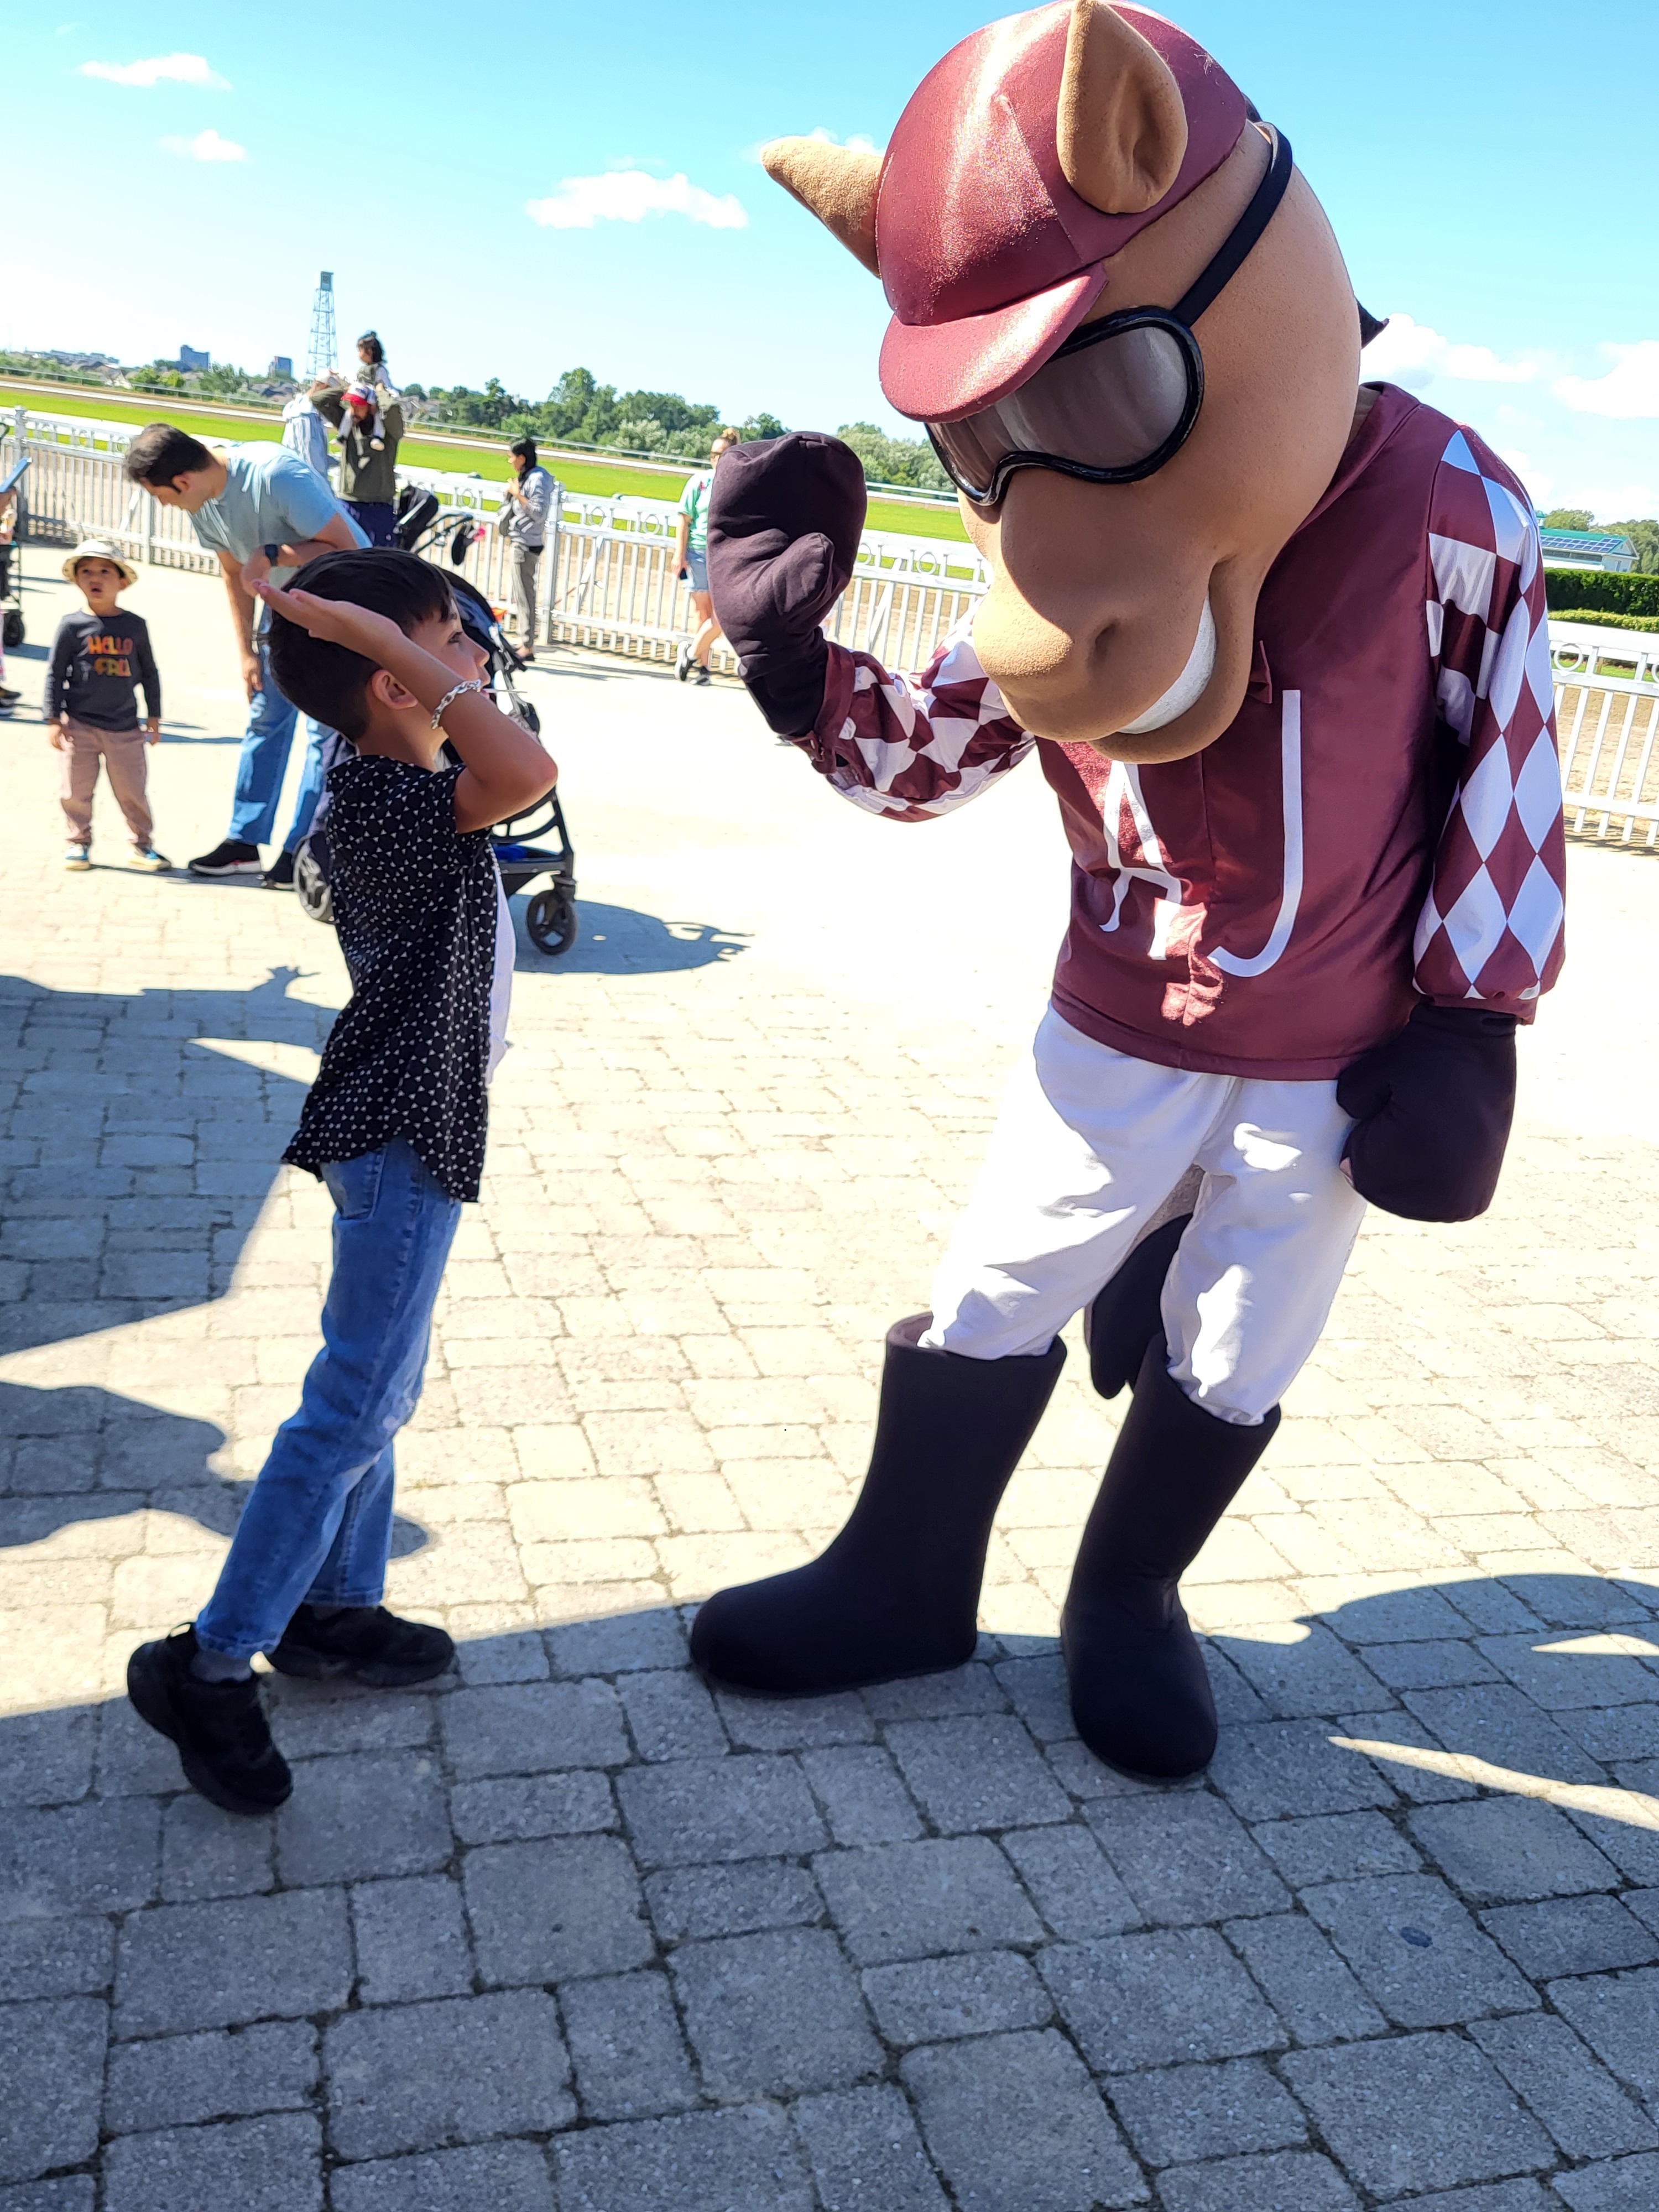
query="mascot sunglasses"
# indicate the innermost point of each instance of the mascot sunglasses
(1121, 397)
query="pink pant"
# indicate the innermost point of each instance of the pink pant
(123, 753)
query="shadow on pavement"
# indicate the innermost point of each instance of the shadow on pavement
(616, 940)
(175, 1141)
(570, 1922)
(79, 1455)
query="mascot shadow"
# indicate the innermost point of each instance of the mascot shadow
(529, 1787)
(1544, 1686)
(146, 1130)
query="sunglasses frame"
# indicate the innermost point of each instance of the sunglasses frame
(1176, 322)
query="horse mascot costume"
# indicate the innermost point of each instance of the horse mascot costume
(1278, 639)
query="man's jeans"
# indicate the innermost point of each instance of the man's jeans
(318, 1526)
(265, 757)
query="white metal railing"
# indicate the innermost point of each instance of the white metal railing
(607, 580)
(1607, 714)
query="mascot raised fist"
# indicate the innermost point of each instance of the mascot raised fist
(1277, 640)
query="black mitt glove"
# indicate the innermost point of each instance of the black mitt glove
(785, 517)
(1432, 1109)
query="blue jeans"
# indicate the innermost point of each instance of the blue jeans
(265, 758)
(318, 1526)
(376, 517)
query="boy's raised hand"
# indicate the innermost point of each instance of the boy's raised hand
(360, 630)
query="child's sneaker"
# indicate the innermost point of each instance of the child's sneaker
(146, 856)
(220, 1728)
(365, 1643)
(77, 857)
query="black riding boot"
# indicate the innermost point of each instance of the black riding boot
(1141, 1696)
(1127, 1314)
(898, 1592)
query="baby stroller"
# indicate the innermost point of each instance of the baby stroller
(551, 917)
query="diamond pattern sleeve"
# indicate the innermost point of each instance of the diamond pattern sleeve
(1490, 934)
(911, 747)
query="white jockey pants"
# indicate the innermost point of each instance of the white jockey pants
(1088, 1146)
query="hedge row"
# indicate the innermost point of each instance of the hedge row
(1606, 591)
(1594, 617)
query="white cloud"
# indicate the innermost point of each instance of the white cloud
(206, 146)
(1629, 389)
(1411, 354)
(629, 196)
(856, 144)
(163, 68)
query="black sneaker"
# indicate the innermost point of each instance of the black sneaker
(231, 856)
(279, 876)
(220, 1728)
(699, 673)
(364, 1644)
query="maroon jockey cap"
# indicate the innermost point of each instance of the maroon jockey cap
(988, 257)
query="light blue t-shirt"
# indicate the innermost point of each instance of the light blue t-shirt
(270, 498)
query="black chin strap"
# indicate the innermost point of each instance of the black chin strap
(1244, 233)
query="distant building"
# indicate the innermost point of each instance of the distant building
(1587, 549)
(80, 360)
(189, 358)
(282, 364)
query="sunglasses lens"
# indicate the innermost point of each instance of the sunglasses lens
(1108, 405)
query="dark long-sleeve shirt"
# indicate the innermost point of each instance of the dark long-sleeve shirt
(365, 475)
(97, 665)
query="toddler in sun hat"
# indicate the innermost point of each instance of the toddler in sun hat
(100, 659)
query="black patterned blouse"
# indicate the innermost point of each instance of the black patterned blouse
(416, 903)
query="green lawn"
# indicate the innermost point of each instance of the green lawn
(488, 460)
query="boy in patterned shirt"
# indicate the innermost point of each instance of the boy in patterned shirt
(370, 644)
(100, 660)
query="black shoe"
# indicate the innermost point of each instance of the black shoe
(1140, 1692)
(898, 1592)
(231, 856)
(220, 1728)
(7, 696)
(699, 673)
(364, 1644)
(279, 876)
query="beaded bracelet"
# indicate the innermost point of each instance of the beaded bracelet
(454, 693)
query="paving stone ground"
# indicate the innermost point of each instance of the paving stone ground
(567, 1931)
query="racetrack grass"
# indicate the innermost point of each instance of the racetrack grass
(458, 456)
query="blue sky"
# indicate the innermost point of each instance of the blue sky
(191, 168)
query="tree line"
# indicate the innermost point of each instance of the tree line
(581, 411)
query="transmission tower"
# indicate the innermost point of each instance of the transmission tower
(320, 361)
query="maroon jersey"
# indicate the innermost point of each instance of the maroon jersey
(1382, 820)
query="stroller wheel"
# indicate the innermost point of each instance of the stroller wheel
(311, 885)
(14, 628)
(550, 918)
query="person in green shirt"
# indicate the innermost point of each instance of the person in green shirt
(692, 563)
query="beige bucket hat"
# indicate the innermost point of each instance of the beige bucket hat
(100, 549)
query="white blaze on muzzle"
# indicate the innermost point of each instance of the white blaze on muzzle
(1189, 687)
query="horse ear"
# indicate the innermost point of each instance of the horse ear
(836, 183)
(1121, 127)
